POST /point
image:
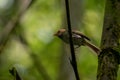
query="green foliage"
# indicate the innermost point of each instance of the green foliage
(38, 25)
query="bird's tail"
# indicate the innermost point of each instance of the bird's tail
(93, 47)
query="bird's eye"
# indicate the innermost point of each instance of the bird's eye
(58, 32)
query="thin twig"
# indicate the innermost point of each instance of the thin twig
(73, 60)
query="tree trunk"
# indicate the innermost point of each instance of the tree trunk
(108, 60)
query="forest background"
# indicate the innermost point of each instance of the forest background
(27, 42)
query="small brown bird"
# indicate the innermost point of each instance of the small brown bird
(79, 39)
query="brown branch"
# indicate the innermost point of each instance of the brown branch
(37, 62)
(12, 23)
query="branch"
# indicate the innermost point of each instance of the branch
(12, 23)
(37, 62)
(73, 60)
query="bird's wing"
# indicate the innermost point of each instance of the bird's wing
(76, 36)
(80, 34)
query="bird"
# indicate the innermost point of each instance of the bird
(79, 39)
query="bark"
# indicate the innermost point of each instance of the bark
(108, 60)
(11, 24)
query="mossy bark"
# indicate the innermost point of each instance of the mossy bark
(108, 60)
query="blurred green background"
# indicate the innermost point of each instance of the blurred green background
(35, 52)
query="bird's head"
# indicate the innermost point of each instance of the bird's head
(60, 32)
